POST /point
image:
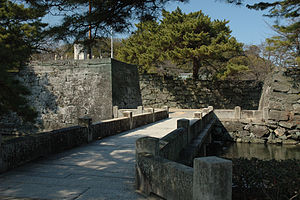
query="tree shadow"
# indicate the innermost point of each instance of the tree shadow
(41, 99)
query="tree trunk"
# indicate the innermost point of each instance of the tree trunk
(196, 67)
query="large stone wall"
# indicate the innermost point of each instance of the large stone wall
(63, 91)
(278, 119)
(158, 91)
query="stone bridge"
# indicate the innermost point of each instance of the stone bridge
(98, 160)
(103, 169)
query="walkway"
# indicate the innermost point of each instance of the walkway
(103, 169)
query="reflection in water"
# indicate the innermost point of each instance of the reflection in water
(259, 151)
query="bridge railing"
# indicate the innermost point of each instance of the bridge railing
(158, 169)
(17, 151)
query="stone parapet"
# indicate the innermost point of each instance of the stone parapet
(19, 150)
(159, 169)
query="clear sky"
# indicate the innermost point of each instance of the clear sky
(248, 26)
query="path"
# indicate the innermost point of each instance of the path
(100, 170)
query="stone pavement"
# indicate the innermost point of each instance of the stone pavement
(100, 170)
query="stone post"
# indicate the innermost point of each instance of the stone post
(185, 123)
(198, 115)
(129, 115)
(166, 108)
(147, 145)
(140, 109)
(265, 113)
(151, 110)
(115, 111)
(86, 122)
(237, 112)
(144, 145)
(212, 179)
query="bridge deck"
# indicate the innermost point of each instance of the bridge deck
(100, 170)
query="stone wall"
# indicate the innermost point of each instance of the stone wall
(64, 90)
(125, 85)
(254, 126)
(158, 91)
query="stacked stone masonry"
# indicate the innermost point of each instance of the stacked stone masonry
(62, 91)
(158, 91)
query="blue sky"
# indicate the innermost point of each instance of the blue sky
(248, 26)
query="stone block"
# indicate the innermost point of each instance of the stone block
(147, 145)
(288, 125)
(140, 109)
(198, 115)
(278, 115)
(281, 87)
(289, 142)
(279, 132)
(296, 108)
(243, 133)
(233, 126)
(275, 105)
(266, 113)
(129, 114)
(212, 179)
(259, 131)
(237, 112)
(85, 121)
(185, 123)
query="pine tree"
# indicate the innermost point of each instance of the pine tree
(20, 34)
(183, 38)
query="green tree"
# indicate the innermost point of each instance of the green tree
(20, 36)
(141, 48)
(285, 46)
(104, 16)
(182, 38)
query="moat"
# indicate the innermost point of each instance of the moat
(259, 151)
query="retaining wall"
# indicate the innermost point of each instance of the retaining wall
(158, 91)
(256, 126)
(62, 91)
(17, 151)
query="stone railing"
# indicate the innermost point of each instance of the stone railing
(158, 169)
(19, 150)
(257, 126)
(139, 110)
(237, 113)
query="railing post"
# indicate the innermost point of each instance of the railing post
(212, 178)
(129, 115)
(140, 109)
(185, 123)
(151, 110)
(167, 109)
(144, 145)
(86, 122)
(115, 111)
(237, 112)
(147, 145)
(198, 115)
(266, 113)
